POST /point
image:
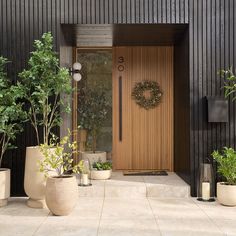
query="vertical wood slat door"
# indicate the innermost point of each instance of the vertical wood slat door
(146, 141)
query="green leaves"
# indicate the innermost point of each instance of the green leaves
(93, 108)
(44, 81)
(102, 165)
(58, 156)
(12, 114)
(229, 82)
(226, 164)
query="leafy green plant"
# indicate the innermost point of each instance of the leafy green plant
(93, 108)
(12, 114)
(58, 156)
(229, 82)
(44, 81)
(82, 168)
(102, 165)
(226, 164)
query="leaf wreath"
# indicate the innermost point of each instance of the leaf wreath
(155, 94)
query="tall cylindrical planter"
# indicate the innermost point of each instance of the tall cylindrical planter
(61, 194)
(94, 157)
(5, 180)
(35, 181)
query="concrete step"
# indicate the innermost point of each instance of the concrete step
(120, 186)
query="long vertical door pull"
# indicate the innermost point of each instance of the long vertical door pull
(120, 108)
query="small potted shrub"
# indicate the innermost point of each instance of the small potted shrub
(61, 188)
(11, 118)
(101, 170)
(93, 109)
(226, 191)
(43, 81)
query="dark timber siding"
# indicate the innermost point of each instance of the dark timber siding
(212, 29)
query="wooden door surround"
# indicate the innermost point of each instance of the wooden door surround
(142, 139)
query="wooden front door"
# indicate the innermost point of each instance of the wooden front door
(142, 139)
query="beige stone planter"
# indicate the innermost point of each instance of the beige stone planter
(101, 174)
(34, 182)
(226, 194)
(61, 194)
(94, 157)
(5, 180)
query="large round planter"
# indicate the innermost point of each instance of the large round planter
(94, 157)
(35, 181)
(101, 174)
(5, 180)
(226, 194)
(61, 194)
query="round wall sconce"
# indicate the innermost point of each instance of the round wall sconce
(74, 71)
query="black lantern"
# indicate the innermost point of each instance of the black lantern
(206, 183)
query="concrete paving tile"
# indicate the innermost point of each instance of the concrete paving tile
(129, 191)
(126, 208)
(226, 226)
(217, 211)
(188, 227)
(88, 208)
(176, 209)
(96, 190)
(68, 226)
(128, 227)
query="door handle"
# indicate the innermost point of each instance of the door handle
(120, 108)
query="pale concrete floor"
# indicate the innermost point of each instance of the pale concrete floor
(123, 214)
(121, 217)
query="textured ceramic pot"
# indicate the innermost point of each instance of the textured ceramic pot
(101, 174)
(226, 194)
(35, 181)
(94, 157)
(5, 180)
(61, 194)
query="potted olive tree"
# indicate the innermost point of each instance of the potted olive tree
(11, 117)
(61, 188)
(44, 81)
(226, 191)
(93, 109)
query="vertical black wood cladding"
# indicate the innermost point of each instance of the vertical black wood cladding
(212, 29)
(212, 47)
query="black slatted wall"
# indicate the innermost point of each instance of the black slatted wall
(212, 42)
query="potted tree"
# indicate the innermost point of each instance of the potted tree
(44, 81)
(11, 117)
(61, 188)
(226, 191)
(101, 170)
(93, 109)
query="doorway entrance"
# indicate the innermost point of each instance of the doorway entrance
(142, 138)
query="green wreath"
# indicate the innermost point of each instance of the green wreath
(139, 97)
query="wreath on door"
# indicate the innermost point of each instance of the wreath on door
(147, 94)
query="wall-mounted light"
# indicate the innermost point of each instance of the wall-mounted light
(74, 71)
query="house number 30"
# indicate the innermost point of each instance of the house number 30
(121, 64)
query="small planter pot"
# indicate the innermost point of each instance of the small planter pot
(226, 194)
(61, 194)
(101, 174)
(5, 180)
(94, 157)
